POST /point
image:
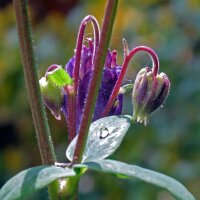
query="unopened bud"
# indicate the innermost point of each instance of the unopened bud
(52, 96)
(149, 93)
(57, 75)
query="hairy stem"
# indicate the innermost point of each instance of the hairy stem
(71, 125)
(95, 82)
(32, 83)
(72, 107)
(128, 58)
(31, 78)
(79, 45)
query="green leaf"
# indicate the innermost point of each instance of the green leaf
(125, 170)
(105, 136)
(59, 77)
(32, 180)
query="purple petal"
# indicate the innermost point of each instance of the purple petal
(83, 89)
(110, 75)
(109, 79)
(86, 61)
(108, 60)
(69, 67)
(118, 105)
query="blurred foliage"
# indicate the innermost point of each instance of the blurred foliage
(171, 141)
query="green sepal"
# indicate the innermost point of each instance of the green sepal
(59, 77)
(52, 95)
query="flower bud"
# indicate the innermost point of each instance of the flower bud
(52, 96)
(58, 76)
(149, 93)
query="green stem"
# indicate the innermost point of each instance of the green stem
(31, 78)
(32, 83)
(99, 61)
(70, 189)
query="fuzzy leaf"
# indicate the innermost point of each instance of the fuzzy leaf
(31, 180)
(105, 136)
(123, 170)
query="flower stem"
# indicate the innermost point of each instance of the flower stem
(99, 61)
(73, 98)
(128, 58)
(32, 83)
(79, 45)
(69, 90)
(31, 78)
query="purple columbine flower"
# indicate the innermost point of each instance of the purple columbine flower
(72, 97)
(66, 89)
(109, 77)
(56, 99)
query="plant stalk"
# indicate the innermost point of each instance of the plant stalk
(95, 82)
(127, 60)
(32, 83)
(73, 99)
(31, 78)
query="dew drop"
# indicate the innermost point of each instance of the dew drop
(104, 133)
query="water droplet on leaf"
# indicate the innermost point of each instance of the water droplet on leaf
(105, 136)
(104, 133)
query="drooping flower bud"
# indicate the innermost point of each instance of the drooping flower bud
(149, 93)
(51, 87)
(52, 96)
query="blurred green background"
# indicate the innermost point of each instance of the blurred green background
(169, 144)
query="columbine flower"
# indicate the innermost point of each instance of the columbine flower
(74, 92)
(66, 89)
(110, 75)
(56, 99)
(55, 78)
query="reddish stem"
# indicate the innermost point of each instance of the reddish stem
(95, 82)
(71, 125)
(79, 45)
(128, 58)
(72, 98)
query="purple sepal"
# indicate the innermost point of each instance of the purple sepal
(111, 73)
